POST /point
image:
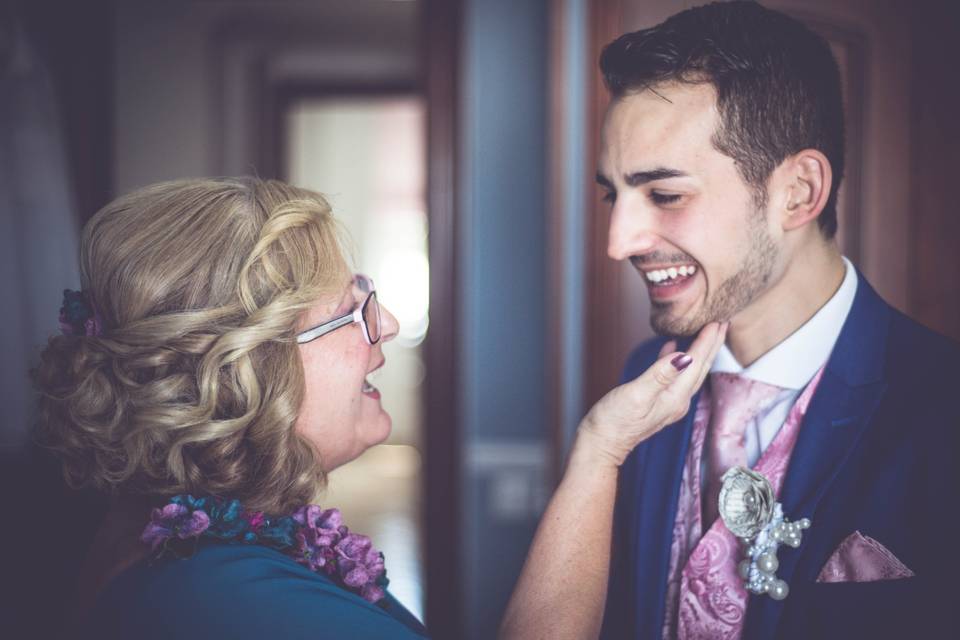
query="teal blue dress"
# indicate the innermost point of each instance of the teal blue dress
(241, 592)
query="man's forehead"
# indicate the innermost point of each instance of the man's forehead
(669, 125)
(666, 99)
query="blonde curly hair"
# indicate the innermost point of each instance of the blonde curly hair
(195, 383)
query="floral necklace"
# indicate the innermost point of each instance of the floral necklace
(313, 537)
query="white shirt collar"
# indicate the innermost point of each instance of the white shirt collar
(793, 363)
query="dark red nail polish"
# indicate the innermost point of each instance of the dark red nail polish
(682, 361)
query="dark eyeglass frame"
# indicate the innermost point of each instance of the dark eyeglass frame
(358, 315)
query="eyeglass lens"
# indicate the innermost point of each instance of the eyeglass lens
(371, 317)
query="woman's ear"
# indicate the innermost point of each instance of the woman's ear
(805, 180)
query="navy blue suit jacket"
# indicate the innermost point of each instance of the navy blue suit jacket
(876, 453)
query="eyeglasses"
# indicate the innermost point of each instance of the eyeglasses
(367, 314)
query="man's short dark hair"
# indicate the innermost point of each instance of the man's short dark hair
(777, 84)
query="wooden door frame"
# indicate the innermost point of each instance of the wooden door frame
(603, 357)
(440, 26)
(601, 279)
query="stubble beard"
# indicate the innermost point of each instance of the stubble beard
(733, 295)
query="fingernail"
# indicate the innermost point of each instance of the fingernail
(682, 361)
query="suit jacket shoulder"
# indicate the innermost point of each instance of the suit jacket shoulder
(875, 457)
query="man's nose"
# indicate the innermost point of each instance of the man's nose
(632, 232)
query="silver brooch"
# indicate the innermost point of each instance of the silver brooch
(750, 512)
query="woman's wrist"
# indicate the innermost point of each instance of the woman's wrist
(591, 451)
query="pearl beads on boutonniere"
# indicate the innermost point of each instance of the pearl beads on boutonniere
(749, 511)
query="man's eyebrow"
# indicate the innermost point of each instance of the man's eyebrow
(642, 177)
(660, 173)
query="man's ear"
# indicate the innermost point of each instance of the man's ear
(805, 179)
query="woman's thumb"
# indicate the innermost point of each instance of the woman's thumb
(666, 369)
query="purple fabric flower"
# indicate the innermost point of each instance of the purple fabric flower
(313, 536)
(372, 593)
(322, 528)
(320, 531)
(174, 520)
(314, 557)
(360, 565)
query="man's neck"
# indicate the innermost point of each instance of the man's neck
(808, 282)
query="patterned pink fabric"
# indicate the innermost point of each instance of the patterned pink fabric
(860, 558)
(705, 596)
(736, 401)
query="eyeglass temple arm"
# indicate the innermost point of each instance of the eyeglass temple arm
(326, 328)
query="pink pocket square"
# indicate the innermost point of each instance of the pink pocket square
(860, 558)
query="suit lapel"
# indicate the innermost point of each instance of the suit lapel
(849, 392)
(657, 482)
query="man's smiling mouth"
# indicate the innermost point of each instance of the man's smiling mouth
(669, 275)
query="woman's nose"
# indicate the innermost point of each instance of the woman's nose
(390, 327)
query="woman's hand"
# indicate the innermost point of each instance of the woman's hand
(634, 411)
(562, 589)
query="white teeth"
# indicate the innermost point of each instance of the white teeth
(367, 387)
(670, 273)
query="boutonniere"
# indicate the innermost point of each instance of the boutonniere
(749, 511)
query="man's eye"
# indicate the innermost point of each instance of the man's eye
(610, 196)
(665, 198)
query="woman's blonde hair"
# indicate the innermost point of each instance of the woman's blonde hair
(195, 383)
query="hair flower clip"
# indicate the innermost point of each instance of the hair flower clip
(78, 316)
(749, 511)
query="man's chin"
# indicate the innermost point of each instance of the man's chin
(673, 327)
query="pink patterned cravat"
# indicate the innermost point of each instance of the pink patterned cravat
(736, 401)
(706, 599)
